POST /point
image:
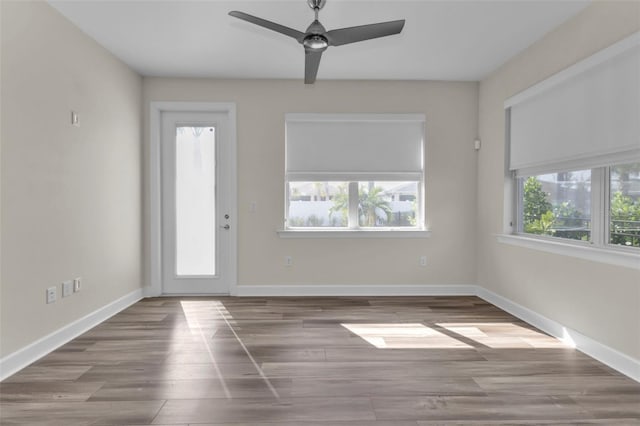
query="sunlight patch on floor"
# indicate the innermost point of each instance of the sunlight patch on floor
(209, 314)
(503, 335)
(204, 318)
(404, 336)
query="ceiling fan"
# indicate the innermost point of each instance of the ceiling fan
(316, 39)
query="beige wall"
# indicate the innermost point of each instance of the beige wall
(598, 300)
(451, 114)
(71, 197)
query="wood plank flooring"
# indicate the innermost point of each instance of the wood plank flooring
(388, 361)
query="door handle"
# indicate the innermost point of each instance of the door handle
(225, 226)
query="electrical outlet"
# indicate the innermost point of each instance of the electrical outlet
(67, 288)
(51, 295)
(423, 260)
(77, 284)
(288, 261)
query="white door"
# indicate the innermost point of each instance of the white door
(196, 210)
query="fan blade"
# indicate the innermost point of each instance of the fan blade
(268, 25)
(311, 64)
(363, 32)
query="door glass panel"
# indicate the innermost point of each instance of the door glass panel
(195, 201)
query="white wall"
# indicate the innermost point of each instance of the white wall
(451, 125)
(598, 300)
(71, 197)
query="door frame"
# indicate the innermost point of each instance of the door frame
(154, 200)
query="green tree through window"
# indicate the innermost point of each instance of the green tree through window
(625, 220)
(537, 211)
(563, 219)
(373, 205)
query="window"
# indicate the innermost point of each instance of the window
(559, 205)
(387, 204)
(317, 205)
(574, 152)
(326, 204)
(556, 204)
(354, 171)
(624, 205)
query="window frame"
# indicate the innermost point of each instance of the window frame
(353, 218)
(600, 217)
(598, 248)
(353, 179)
(595, 231)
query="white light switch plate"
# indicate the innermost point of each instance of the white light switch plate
(67, 288)
(51, 295)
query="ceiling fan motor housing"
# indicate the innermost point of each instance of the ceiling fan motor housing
(316, 42)
(314, 38)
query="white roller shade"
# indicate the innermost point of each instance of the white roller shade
(354, 146)
(586, 116)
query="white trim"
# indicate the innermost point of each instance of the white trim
(620, 362)
(21, 358)
(510, 184)
(320, 176)
(348, 117)
(600, 224)
(353, 233)
(352, 210)
(611, 256)
(193, 295)
(355, 290)
(580, 162)
(575, 69)
(154, 287)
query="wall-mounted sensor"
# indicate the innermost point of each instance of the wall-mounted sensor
(75, 120)
(477, 144)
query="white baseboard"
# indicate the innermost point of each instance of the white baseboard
(355, 290)
(18, 360)
(620, 362)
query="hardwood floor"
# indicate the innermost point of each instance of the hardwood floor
(393, 361)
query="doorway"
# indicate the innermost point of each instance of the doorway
(197, 191)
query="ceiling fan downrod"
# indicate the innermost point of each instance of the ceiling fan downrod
(314, 39)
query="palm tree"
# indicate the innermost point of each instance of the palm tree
(340, 204)
(373, 204)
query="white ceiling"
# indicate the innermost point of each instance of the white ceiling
(441, 40)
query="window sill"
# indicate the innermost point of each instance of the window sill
(610, 256)
(353, 233)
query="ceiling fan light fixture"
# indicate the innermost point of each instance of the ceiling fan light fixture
(315, 42)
